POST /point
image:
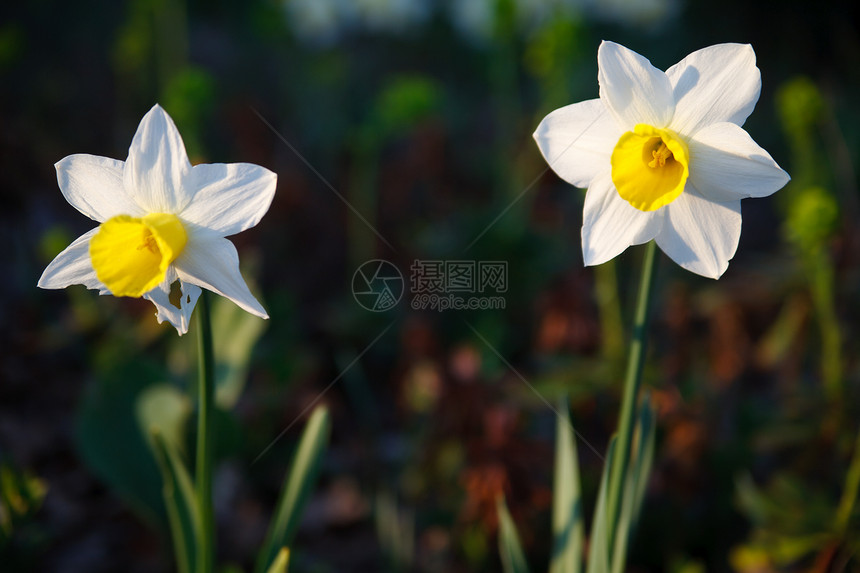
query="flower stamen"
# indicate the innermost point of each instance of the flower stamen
(660, 156)
(148, 242)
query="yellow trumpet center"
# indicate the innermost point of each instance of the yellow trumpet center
(131, 256)
(650, 167)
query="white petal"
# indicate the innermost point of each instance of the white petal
(726, 164)
(94, 186)
(73, 267)
(715, 84)
(633, 89)
(610, 224)
(211, 262)
(157, 165)
(180, 318)
(229, 198)
(701, 235)
(577, 140)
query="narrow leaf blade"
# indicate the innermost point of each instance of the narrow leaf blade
(297, 488)
(510, 548)
(179, 500)
(568, 531)
(281, 562)
(645, 454)
(598, 552)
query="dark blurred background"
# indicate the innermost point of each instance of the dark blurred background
(418, 115)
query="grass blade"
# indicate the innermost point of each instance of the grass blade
(645, 454)
(180, 501)
(282, 560)
(598, 552)
(568, 531)
(303, 471)
(232, 352)
(510, 548)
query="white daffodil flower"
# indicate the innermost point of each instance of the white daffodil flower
(161, 220)
(663, 155)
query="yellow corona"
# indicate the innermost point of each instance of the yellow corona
(650, 167)
(131, 255)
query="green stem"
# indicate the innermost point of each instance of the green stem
(203, 474)
(850, 491)
(632, 381)
(822, 288)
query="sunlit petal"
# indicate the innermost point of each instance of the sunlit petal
(610, 224)
(157, 165)
(212, 262)
(73, 267)
(94, 186)
(701, 235)
(180, 317)
(633, 90)
(715, 84)
(729, 165)
(229, 198)
(576, 140)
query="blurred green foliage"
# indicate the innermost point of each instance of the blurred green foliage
(190, 95)
(11, 44)
(812, 220)
(111, 440)
(403, 103)
(21, 496)
(296, 492)
(420, 115)
(803, 517)
(568, 553)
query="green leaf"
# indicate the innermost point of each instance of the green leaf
(163, 408)
(598, 552)
(645, 454)
(235, 334)
(510, 549)
(282, 560)
(568, 531)
(180, 501)
(162, 412)
(294, 496)
(233, 352)
(112, 443)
